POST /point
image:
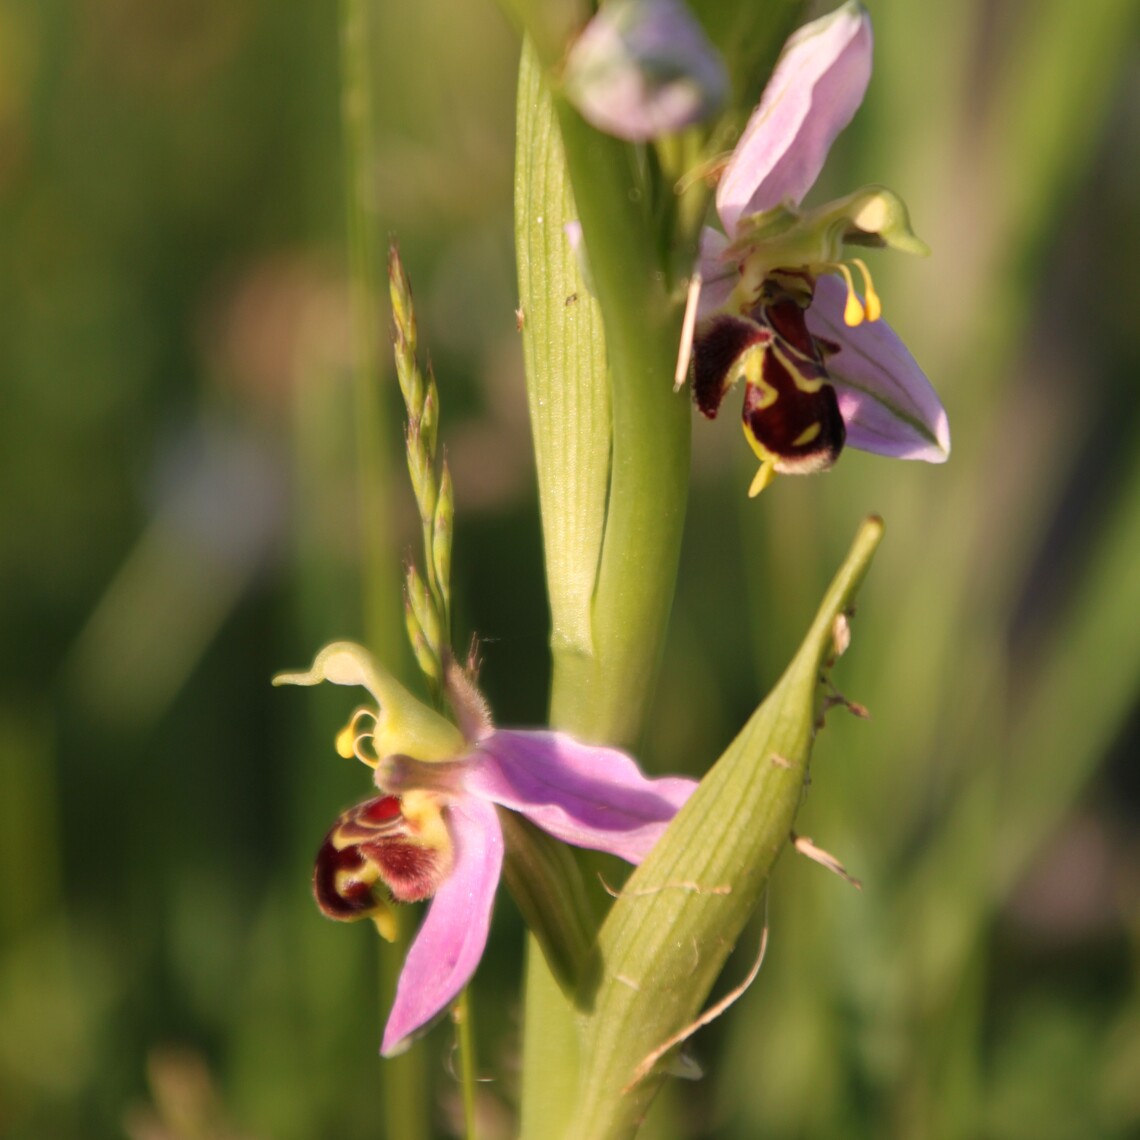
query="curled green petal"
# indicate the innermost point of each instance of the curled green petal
(815, 239)
(404, 725)
(877, 216)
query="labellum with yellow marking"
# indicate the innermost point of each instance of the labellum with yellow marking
(775, 300)
(791, 414)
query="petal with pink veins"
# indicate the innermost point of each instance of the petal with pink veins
(888, 405)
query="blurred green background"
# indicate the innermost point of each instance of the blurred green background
(178, 519)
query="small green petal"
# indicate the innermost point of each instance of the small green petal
(814, 240)
(877, 216)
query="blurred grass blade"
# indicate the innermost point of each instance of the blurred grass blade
(404, 1080)
(1084, 691)
(1054, 90)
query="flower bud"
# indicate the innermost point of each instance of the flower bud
(644, 68)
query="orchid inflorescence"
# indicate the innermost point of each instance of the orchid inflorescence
(779, 298)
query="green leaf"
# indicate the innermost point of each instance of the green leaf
(565, 351)
(667, 937)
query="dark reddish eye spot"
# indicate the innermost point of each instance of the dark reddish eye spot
(381, 810)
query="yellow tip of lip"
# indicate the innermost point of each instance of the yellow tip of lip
(385, 922)
(763, 477)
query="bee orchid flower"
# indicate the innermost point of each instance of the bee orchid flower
(432, 830)
(776, 302)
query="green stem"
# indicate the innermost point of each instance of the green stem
(606, 697)
(550, 1051)
(604, 667)
(463, 1015)
(379, 582)
(403, 1079)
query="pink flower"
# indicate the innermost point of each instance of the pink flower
(433, 832)
(778, 306)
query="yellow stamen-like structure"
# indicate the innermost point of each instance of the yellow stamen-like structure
(350, 740)
(853, 312)
(871, 302)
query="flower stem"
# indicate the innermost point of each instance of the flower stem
(550, 1052)
(612, 550)
(379, 583)
(608, 699)
(463, 1016)
(403, 1080)
(404, 1099)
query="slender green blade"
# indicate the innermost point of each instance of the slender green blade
(668, 935)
